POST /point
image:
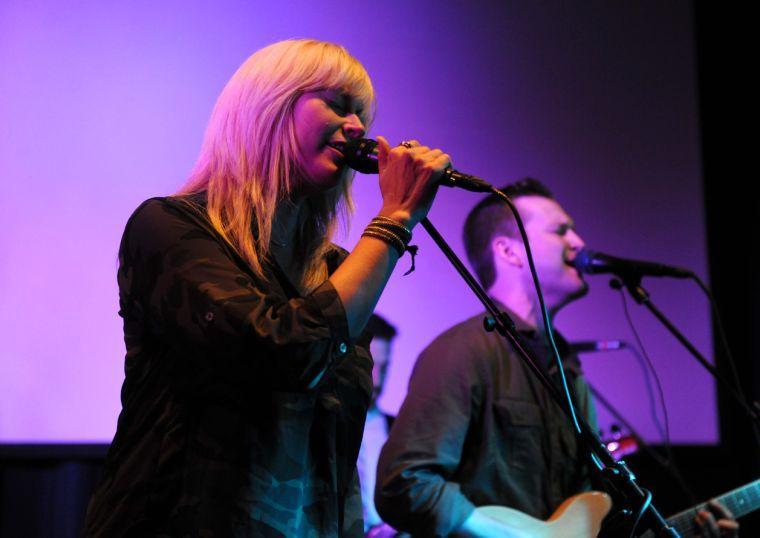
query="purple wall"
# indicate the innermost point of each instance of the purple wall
(102, 107)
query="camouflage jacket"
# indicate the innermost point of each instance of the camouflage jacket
(243, 403)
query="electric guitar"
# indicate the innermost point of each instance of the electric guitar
(581, 516)
(740, 502)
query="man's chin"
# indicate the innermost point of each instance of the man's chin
(579, 291)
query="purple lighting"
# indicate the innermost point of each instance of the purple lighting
(103, 105)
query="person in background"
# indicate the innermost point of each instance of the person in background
(246, 383)
(378, 423)
(477, 428)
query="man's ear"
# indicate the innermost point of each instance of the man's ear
(505, 251)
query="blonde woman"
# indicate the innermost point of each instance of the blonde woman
(247, 381)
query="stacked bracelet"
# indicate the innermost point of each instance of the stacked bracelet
(402, 231)
(390, 231)
(394, 233)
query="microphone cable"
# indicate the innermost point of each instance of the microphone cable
(669, 462)
(727, 351)
(645, 354)
(545, 315)
(642, 509)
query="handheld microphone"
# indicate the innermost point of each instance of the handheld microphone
(594, 263)
(361, 155)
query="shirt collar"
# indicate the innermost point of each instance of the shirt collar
(520, 324)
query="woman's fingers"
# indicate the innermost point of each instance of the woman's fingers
(434, 163)
(408, 176)
(409, 143)
(383, 148)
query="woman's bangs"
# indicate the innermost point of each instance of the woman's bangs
(342, 71)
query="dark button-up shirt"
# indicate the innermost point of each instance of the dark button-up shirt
(476, 429)
(243, 403)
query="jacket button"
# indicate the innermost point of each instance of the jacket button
(208, 316)
(342, 348)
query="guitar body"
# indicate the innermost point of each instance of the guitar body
(579, 516)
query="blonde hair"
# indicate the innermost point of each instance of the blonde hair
(250, 158)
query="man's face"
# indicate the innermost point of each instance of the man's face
(554, 244)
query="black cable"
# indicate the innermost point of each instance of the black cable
(669, 462)
(643, 509)
(752, 409)
(544, 312)
(727, 350)
(721, 334)
(656, 408)
(654, 372)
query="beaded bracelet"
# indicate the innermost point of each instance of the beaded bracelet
(401, 230)
(395, 234)
(389, 237)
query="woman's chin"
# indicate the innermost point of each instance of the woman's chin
(320, 183)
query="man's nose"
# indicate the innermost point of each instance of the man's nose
(576, 241)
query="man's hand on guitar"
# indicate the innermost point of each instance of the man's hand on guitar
(718, 522)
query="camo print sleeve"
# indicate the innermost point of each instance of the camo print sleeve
(195, 292)
(353, 518)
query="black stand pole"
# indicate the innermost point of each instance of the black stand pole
(618, 474)
(633, 284)
(667, 465)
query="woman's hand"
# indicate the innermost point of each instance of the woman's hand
(408, 179)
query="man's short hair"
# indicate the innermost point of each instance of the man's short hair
(379, 327)
(492, 217)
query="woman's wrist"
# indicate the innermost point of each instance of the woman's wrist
(402, 217)
(394, 233)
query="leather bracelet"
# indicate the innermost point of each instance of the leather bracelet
(398, 240)
(401, 230)
(391, 239)
(395, 234)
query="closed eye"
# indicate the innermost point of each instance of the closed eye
(338, 107)
(343, 105)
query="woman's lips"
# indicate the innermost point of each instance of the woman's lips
(337, 146)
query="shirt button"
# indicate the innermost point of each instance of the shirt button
(342, 348)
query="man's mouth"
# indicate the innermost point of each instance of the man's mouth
(571, 262)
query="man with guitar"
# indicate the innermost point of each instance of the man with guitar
(476, 427)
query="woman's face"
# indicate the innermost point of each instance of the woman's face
(324, 120)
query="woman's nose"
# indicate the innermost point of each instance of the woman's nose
(354, 128)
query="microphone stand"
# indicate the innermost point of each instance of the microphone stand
(632, 282)
(617, 473)
(666, 464)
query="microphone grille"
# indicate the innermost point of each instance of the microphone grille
(360, 155)
(584, 260)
